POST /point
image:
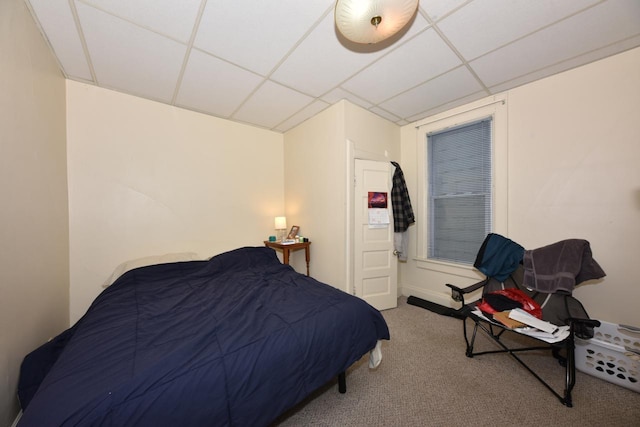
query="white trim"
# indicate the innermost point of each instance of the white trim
(349, 217)
(351, 155)
(495, 107)
(369, 155)
(466, 271)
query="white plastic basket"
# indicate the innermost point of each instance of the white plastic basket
(613, 354)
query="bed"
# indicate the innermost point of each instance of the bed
(235, 340)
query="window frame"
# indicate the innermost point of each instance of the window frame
(495, 107)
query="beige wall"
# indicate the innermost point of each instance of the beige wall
(34, 245)
(148, 179)
(314, 159)
(318, 159)
(373, 138)
(574, 153)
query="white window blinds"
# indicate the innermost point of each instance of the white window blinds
(459, 196)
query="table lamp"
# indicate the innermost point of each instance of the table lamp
(281, 227)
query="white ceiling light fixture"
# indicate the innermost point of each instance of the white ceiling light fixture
(372, 21)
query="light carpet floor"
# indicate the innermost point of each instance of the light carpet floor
(425, 379)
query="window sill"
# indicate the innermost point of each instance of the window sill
(448, 268)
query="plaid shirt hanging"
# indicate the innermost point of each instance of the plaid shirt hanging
(402, 211)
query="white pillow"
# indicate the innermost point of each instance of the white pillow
(150, 260)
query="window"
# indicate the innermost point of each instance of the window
(462, 178)
(459, 191)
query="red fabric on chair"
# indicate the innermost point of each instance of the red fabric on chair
(507, 299)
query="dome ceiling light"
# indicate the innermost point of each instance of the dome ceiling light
(372, 21)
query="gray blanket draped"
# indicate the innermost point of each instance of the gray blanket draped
(560, 266)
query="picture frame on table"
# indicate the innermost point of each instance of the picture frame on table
(293, 232)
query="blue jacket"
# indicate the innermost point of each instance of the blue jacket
(498, 257)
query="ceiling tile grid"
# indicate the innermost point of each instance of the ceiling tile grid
(129, 58)
(448, 86)
(559, 42)
(157, 15)
(214, 86)
(59, 27)
(275, 64)
(483, 26)
(428, 55)
(256, 34)
(272, 104)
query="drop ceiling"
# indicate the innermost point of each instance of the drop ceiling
(275, 63)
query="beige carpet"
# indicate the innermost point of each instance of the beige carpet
(426, 380)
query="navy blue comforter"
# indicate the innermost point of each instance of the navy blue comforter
(236, 340)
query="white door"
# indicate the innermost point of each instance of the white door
(375, 265)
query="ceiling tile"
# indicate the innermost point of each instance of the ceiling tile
(257, 34)
(175, 19)
(428, 55)
(447, 106)
(338, 93)
(131, 59)
(304, 114)
(321, 62)
(271, 105)
(214, 86)
(383, 113)
(483, 25)
(445, 88)
(58, 23)
(593, 29)
(436, 9)
(569, 64)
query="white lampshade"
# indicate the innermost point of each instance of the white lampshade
(371, 21)
(281, 222)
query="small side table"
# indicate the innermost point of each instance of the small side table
(288, 248)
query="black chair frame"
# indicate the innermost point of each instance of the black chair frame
(494, 330)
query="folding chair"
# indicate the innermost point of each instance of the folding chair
(546, 278)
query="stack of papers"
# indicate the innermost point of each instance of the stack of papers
(522, 316)
(540, 329)
(557, 334)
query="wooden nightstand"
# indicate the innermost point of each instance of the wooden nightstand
(291, 247)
